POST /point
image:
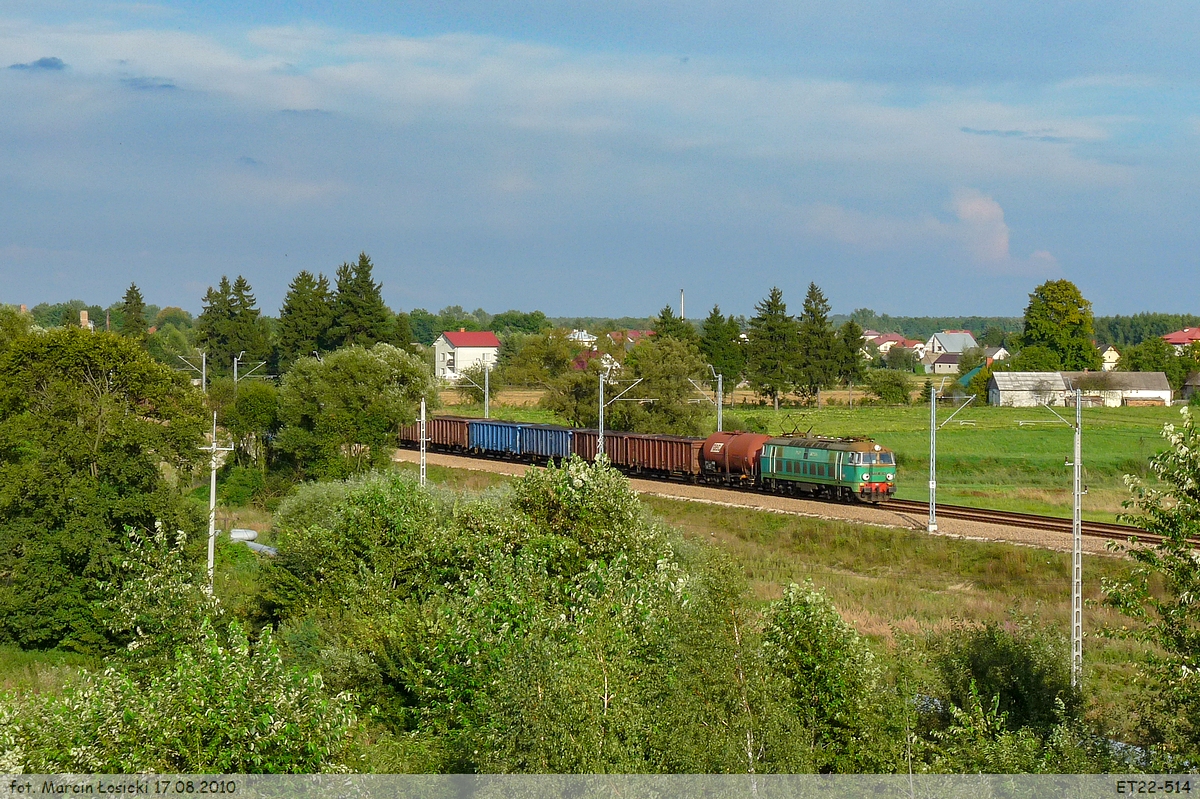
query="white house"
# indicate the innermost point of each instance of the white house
(582, 337)
(454, 352)
(1109, 358)
(946, 364)
(950, 341)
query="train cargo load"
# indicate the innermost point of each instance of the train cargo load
(732, 455)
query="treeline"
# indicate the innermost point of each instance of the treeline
(922, 327)
(1121, 331)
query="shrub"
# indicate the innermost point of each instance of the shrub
(1020, 669)
(891, 387)
(241, 486)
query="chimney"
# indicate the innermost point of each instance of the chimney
(462, 330)
(24, 309)
(83, 320)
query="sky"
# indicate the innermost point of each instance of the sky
(593, 158)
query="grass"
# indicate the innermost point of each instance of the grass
(986, 457)
(39, 671)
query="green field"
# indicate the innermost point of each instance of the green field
(986, 457)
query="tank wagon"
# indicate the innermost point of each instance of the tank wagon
(834, 468)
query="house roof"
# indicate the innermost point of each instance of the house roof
(1117, 381)
(886, 337)
(1193, 379)
(869, 334)
(949, 357)
(471, 338)
(1183, 337)
(1029, 381)
(955, 340)
(910, 344)
(966, 379)
(992, 352)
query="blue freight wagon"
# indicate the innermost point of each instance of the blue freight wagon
(495, 437)
(547, 441)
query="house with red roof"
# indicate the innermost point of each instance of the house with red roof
(1181, 339)
(456, 351)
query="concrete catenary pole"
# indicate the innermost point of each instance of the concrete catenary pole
(1077, 551)
(422, 437)
(932, 459)
(600, 437)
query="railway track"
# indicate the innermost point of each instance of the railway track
(1106, 530)
(914, 512)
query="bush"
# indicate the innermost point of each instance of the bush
(745, 424)
(891, 387)
(240, 486)
(1020, 669)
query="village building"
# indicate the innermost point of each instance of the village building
(455, 352)
(957, 341)
(1191, 386)
(1181, 339)
(1109, 358)
(1108, 389)
(993, 354)
(946, 364)
(582, 337)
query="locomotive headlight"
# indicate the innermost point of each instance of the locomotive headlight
(890, 476)
(866, 475)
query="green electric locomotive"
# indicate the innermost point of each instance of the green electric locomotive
(838, 468)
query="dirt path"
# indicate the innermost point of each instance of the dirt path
(952, 528)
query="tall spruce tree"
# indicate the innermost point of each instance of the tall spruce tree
(133, 308)
(771, 352)
(231, 324)
(668, 325)
(360, 315)
(817, 361)
(849, 353)
(721, 346)
(305, 319)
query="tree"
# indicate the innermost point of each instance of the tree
(536, 359)
(1060, 319)
(721, 346)
(666, 367)
(519, 322)
(1160, 595)
(850, 362)
(1036, 358)
(575, 395)
(771, 353)
(817, 348)
(94, 437)
(133, 308)
(902, 359)
(360, 316)
(890, 386)
(306, 318)
(472, 381)
(231, 324)
(668, 325)
(341, 414)
(970, 358)
(993, 336)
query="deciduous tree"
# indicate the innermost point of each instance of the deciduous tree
(94, 436)
(1060, 319)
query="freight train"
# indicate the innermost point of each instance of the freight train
(815, 466)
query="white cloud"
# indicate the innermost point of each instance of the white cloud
(978, 231)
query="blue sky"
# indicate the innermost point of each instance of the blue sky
(594, 158)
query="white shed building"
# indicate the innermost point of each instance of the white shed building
(1026, 389)
(454, 352)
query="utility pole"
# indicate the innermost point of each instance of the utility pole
(1076, 542)
(932, 459)
(1077, 551)
(933, 428)
(422, 442)
(681, 314)
(487, 371)
(202, 371)
(720, 399)
(600, 438)
(212, 501)
(604, 379)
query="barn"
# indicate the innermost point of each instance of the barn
(1026, 389)
(1109, 389)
